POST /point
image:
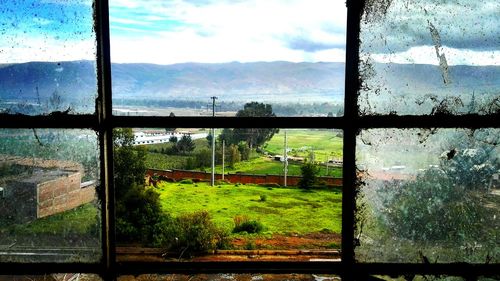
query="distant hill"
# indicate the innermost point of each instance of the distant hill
(279, 81)
(179, 81)
(74, 80)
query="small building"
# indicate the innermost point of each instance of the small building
(43, 191)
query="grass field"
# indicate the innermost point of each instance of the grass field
(325, 144)
(284, 210)
(79, 227)
(266, 166)
(76, 221)
(164, 161)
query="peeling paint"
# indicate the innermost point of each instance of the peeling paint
(443, 64)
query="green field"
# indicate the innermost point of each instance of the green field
(284, 210)
(324, 143)
(266, 166)
(76, 221)
(79, 227)
(165, 162)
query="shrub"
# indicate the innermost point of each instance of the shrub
(186, 181)
(203, 158)
(243, 224)
(197, 233)
(189, 233)
(137, 213)
(309, 172)
(269, 184)
(166, 233)
(250, 245)
(263, 197)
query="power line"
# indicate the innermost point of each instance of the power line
(212, 179)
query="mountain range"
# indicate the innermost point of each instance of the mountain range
(274, 81)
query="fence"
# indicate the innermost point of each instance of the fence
(238, 177)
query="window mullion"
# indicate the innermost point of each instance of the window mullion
(104, 112)
(354, 9)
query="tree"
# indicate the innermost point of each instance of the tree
(309, 172)
(252, 136)
(138, 209)
(170, 130)
(209, 139)
(234, 155)
(446, 202)
(185, 145)
(431, 208)
(173, 139)
(203, 158)
(129, 161)
(244, 151)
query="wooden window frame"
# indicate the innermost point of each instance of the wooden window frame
(351, 123)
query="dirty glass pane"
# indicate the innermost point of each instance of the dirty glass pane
(430, 57)
(165, 201)
(173, 56)
(428, 196)
(48, 203)
(47, 57)
(230, 277)
(52, 277)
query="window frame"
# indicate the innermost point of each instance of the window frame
(351, 123)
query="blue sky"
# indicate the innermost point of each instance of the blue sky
(211, 31)
(46, 30)
(223, 31)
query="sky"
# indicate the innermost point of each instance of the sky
(46, 30)
(216, 31)
(212, 31)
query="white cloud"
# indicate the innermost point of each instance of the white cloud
(329, 55)
(127, 21)
(427, 55)
(234, 31)
(47, 49)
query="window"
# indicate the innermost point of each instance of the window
(368, 118)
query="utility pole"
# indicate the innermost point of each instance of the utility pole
(212, 180)
(285, 163)
(223, 156)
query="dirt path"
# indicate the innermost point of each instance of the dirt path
(293, 242)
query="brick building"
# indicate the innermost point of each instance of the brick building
(37, 188)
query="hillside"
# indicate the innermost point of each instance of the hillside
(278, 82)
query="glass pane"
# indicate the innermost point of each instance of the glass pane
(47, 57)
(430, 57)
(165, 198)
(428, 196)
(231, 277)
(48, 206)
(173, 56)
